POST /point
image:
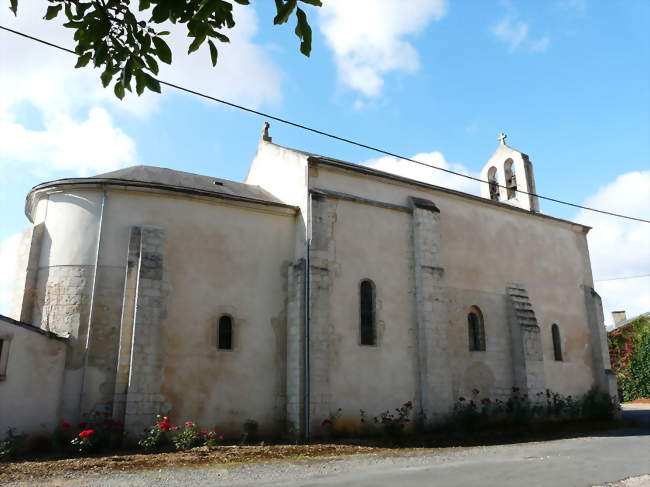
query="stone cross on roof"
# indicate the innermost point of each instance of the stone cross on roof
(502, 138)
(265, 132)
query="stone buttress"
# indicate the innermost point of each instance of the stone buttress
(434, 390)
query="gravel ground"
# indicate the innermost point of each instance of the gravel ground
(612, 459)
(574, 462)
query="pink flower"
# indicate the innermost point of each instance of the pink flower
(485, 401)
(461, 398)
(408, 405)
(326, 422)
(189, 424)
(86, 433)
(65, 425)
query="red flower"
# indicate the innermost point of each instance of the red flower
(485, 401)
(83, 425)
(461, 398)
(165, 425)
(408, 405)
(189, 424)
(203, 432)
(326, 421)
(86, 433)
(221, 437)
(515, 389)
(65, 425)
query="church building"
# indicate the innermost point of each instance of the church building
(316, 284)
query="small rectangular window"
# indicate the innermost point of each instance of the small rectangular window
(4, 352)
(224, 333)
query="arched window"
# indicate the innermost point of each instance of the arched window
(224, 333)
(557, 345)
(494, 183)
(511, 179)
(367, 312)
(476, 330)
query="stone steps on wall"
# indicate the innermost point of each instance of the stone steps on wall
(521, 303)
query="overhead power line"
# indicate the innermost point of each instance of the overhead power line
(337, 137)
(622, 278)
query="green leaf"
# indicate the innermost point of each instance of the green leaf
(13, 6)
(315, 3)
(221, 37)
(151, 82)
(214, 54)
(84, 59)
(152, 64)
(108, 74)
(52, 11)
(283, 10)
(73, 24)
(303, 31)
(140, 83)
(196, 43)
(144, 5)
(162, 50)
(119, 89)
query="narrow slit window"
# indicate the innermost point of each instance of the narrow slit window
(4, 352)
(367, 308)
(557, 345)
(224, 333)
(476, 330)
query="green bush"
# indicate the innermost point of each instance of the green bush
(629, 350)
(188, 437)
(11, 444)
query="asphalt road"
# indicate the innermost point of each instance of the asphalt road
(595, 460)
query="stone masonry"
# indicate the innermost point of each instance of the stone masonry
(527, 357)
(295, 392)
(434, 383)
(143, 397)
(322, 261)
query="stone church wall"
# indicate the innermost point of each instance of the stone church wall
(483, 247)
(217, 258)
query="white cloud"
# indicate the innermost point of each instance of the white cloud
(618, 247)
(8, 255)
(84, 147)
(367, 37)
(514, 33)
(244, 73)
(425, 174)
(541, 45)
(77, 132)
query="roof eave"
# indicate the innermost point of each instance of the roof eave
(386, 175)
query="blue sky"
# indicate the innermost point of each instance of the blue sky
(567, 80)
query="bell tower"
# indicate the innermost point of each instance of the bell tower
(509, 172)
